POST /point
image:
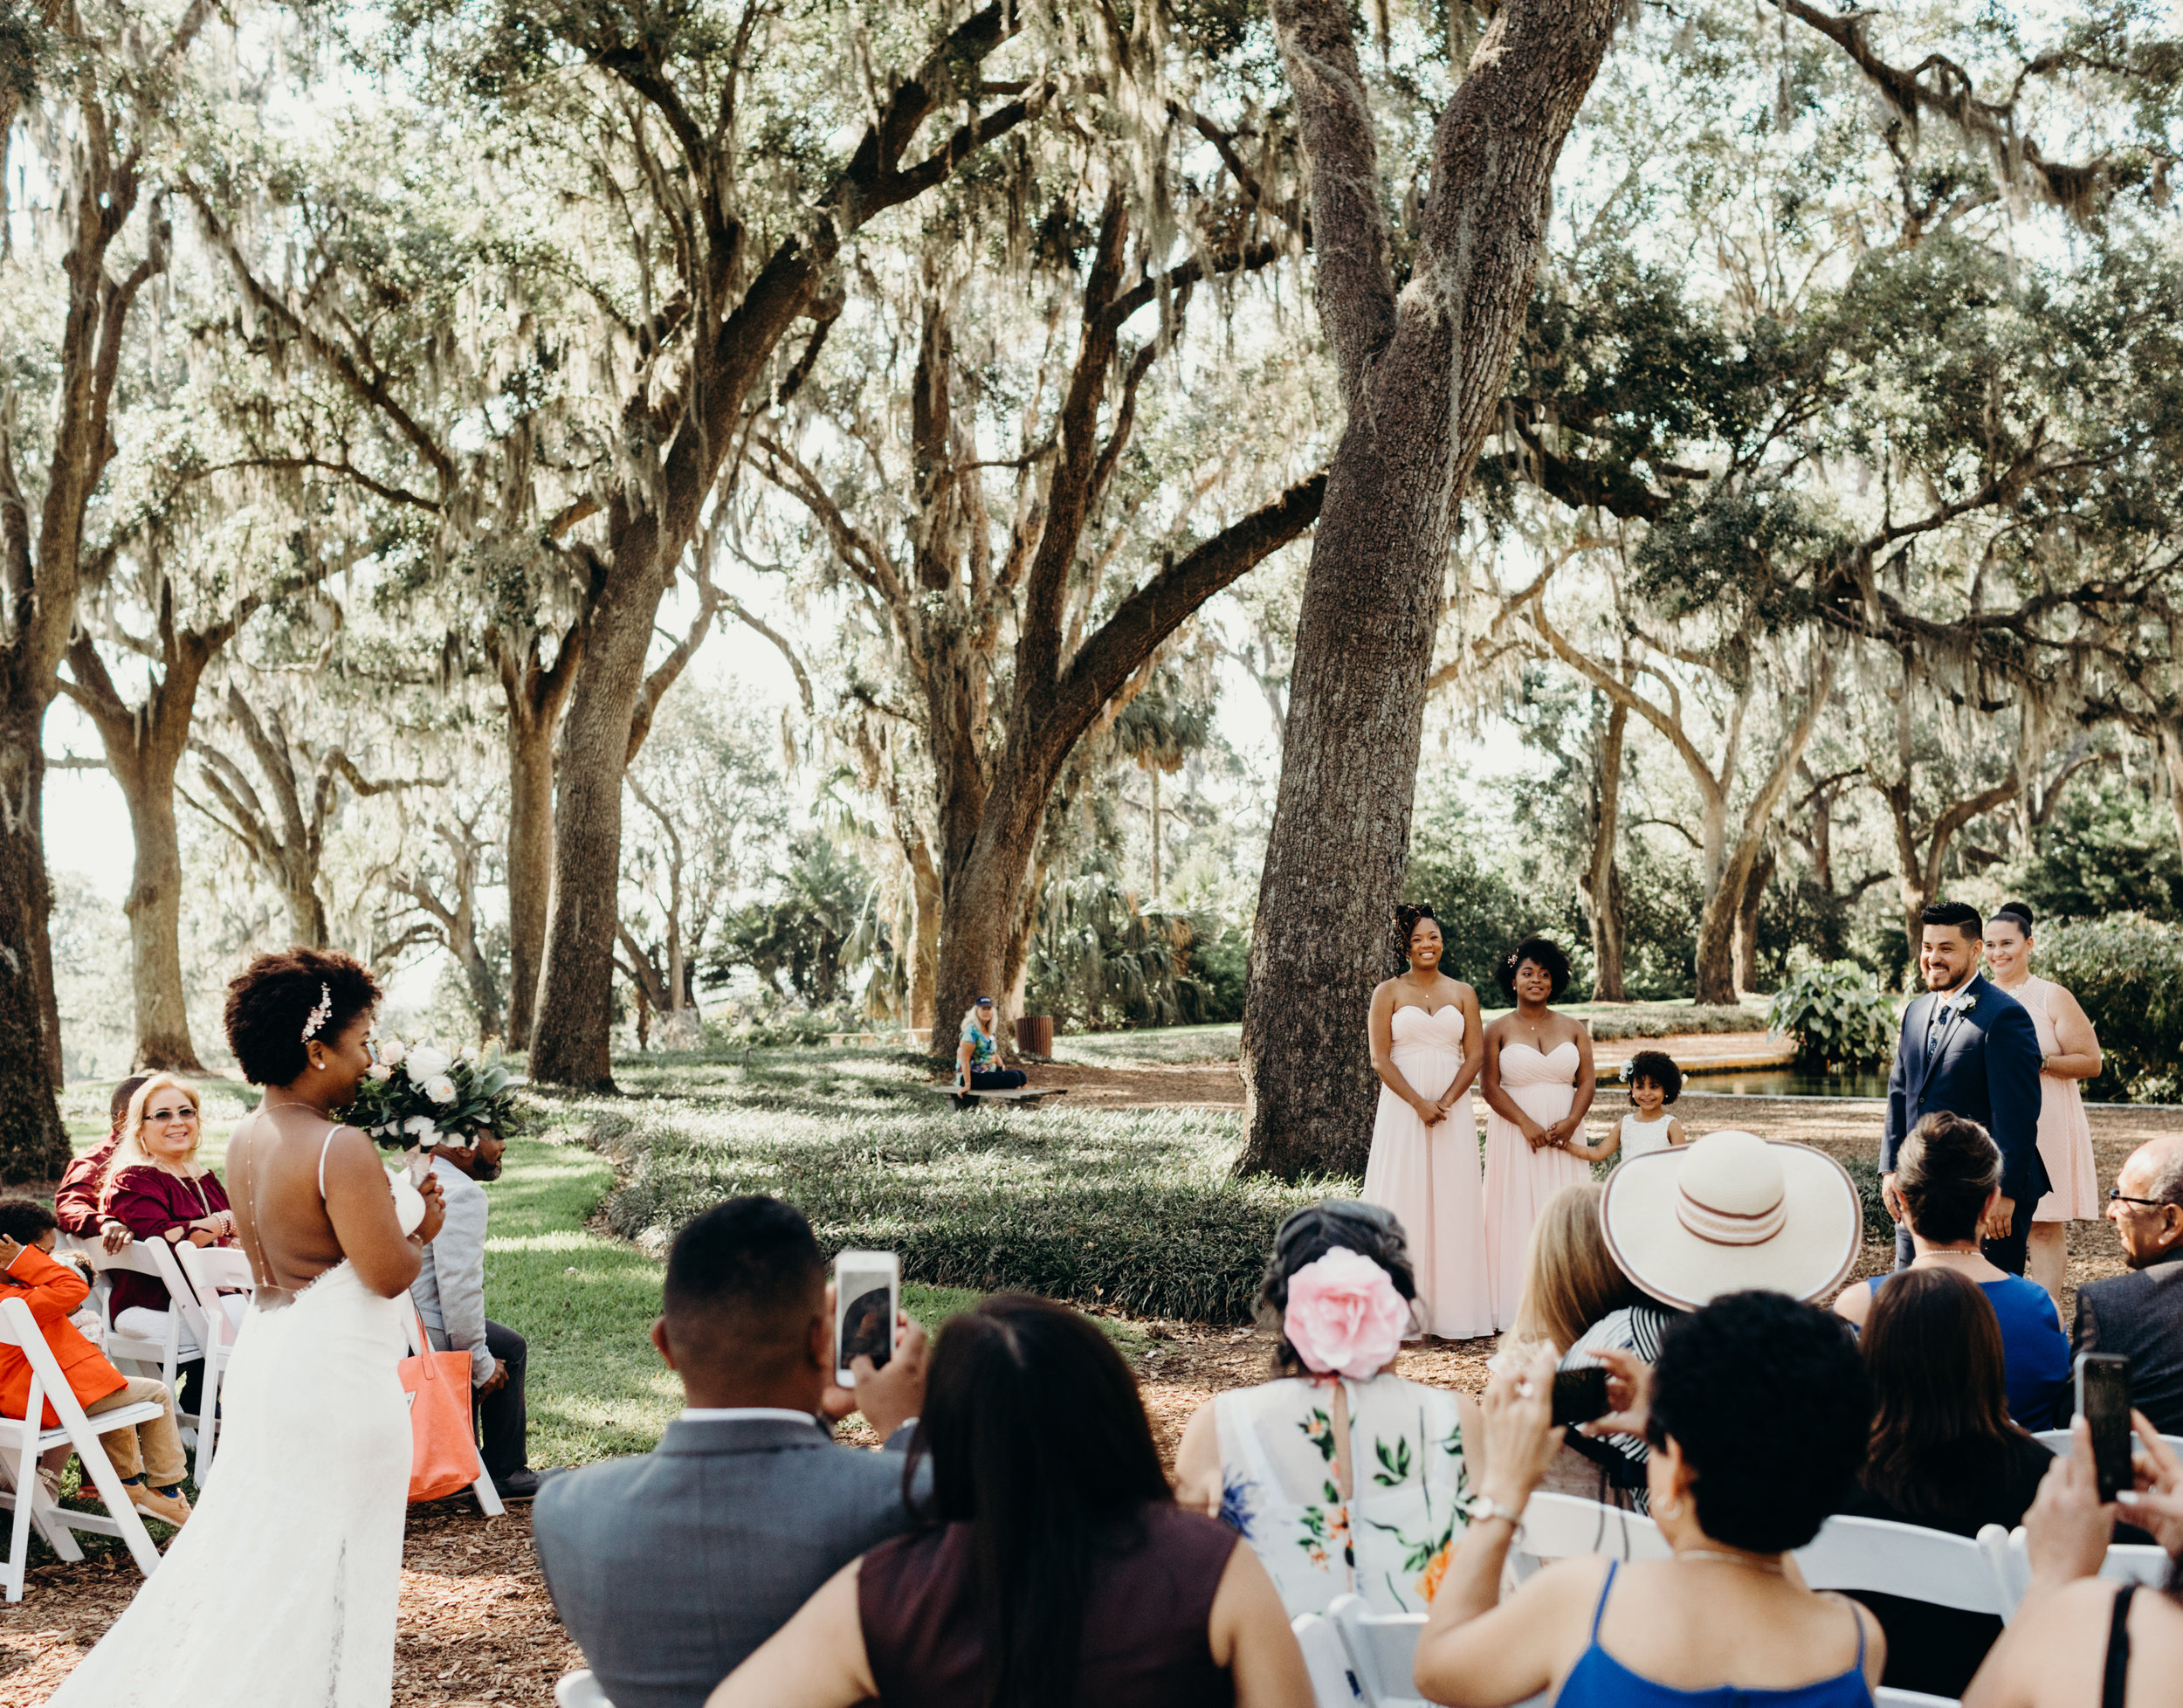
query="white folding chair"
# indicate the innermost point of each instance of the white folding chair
(580, 1689)
(1907, 1560)
(22, 1440)
(1558, 1525)
(1333, 1684)
(154, 1258)
(2060, 1441)
(2126, 1562)
(488, 1497)
(210, 1271)
(1887, 1697)
(1382, 1651)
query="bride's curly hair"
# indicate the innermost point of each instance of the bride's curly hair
(273, 998)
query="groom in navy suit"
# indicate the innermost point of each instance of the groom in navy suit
(1970, 1048)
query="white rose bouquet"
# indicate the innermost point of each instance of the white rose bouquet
(418, 1095)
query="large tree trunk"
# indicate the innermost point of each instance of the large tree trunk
(1421, 379)
(530, 857)
(2172, 753)
(1747, 922)
(924, 957)
(155, 914)
(573, 1025)
(1604, 883)
(33, 1143)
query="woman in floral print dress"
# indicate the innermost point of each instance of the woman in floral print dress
(1342, 1475)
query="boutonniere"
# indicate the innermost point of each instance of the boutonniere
(1963, 1002)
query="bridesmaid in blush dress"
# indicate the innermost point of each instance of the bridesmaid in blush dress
(1538, 1082)
(1426, 1049)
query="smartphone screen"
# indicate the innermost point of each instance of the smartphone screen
(2103, 1396)
(1579, 1395)
(867, 1295)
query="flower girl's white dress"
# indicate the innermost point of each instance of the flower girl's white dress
(280, 1590)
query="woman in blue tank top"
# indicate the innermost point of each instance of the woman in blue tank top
(1757, 1414)
(1948, 1176)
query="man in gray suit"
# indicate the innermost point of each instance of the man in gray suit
(2140, 1315)
(669, 1569)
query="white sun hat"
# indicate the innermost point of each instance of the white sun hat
(1732, 1213)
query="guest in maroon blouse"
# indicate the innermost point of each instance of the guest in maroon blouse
(1054, 1567)
(155, 1189)
(76, 1201)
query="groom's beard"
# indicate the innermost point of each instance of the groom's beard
(1944, 989)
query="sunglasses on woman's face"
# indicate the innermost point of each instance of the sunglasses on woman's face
(184, 1113)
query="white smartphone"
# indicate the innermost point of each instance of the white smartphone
(867, 1299)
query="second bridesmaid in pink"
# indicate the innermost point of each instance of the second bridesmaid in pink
(1538, 1082)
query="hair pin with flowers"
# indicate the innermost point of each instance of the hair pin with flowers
(1344, 1315)
(1624, 1073)
(320, 1014)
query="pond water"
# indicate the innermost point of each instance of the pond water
(1786, 1081)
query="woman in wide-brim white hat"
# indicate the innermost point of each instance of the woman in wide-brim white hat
(1732, 1213)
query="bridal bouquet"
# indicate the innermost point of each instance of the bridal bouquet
(420, 1096)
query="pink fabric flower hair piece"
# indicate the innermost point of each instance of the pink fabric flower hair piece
(1344, 1315)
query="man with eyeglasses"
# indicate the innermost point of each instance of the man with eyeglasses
(2140, 1315)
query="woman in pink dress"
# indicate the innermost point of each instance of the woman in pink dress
(1538, 1082)
(1424, 1161)
(2070, 1051)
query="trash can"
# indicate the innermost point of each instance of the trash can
(1035, 1035)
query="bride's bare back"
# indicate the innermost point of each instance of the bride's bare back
(292, 1231)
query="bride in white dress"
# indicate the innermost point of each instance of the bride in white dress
(1427, 1047)
(280, 1592)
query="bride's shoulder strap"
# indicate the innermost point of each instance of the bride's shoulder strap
(325, 1144)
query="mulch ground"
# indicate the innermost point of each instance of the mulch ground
(477, 1626)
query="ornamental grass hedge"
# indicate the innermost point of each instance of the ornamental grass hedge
(1133, 1208)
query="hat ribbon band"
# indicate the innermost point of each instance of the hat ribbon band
(1719, 1227)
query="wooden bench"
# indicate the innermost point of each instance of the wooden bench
(838, 1038)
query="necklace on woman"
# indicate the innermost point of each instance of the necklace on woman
(1771, 1567)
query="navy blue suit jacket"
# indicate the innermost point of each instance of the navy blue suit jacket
(1988, 1069)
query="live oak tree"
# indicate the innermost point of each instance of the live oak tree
(102, 83)
(1422, 363)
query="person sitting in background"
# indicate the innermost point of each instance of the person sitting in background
(1948, 1178)
(2076, 1638)
(668, 1570)
(1758, 1414)
(1338, 1472)
(2139, 1316)
(154, 1186)
(450, 1292)
(76, 1199)
(1655, 1081)
(52, 1290)
(978, 1058)
(1052, 1567)
(1944, 1455)
(1727, 1212)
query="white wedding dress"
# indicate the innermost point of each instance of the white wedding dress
(280, 1591)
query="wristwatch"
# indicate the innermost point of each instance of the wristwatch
(1479, 1508)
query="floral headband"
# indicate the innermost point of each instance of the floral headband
(1344, 1316)
(320, 1014)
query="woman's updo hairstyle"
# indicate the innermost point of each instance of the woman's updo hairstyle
(272, 1000)
(2017, 910)
(1946, 1170)
(1406, 917)
(1772, 1407)
(1370, 1230)
(1541, 952)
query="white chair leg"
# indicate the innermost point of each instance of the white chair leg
(488, 1497)
(26, 1471)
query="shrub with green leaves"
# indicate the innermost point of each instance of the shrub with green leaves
(1130, 1208)
(1839, 1016)
(2127, 971)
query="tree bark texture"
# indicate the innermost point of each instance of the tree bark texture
(1747, 921)
(33, 1143)
(1603, 881)
(1421, 376)
(535, 695)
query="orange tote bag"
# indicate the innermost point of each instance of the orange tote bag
(443, 1450)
